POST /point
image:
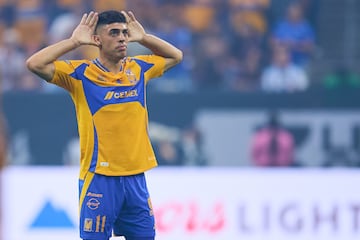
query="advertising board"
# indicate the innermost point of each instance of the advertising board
(40, 203)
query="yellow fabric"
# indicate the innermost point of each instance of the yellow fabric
(88, 179)
(249, 3)
(250, 18)
(111, 113)
(199, 17)
(249, 13)
(101, 5)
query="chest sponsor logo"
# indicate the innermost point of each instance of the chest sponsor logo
(124, 94)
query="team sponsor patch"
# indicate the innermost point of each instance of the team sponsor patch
(97, 195)
(93, 203)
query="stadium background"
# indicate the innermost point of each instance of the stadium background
(203, 116)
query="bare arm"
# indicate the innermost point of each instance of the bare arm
(162, 48)
(158, 46)
(41, 63)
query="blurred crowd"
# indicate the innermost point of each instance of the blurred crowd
(230, 45)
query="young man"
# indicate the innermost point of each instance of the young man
(109, 97)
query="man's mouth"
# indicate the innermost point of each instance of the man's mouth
(121, 47)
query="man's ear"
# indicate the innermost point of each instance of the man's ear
(96, 39)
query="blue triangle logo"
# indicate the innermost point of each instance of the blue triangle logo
(51, 217)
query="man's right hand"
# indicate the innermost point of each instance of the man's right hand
(83, 33)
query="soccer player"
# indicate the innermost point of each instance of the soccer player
(109, 97)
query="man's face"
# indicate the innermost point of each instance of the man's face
(113, 38)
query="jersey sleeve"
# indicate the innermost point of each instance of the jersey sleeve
(62, 78)
(158, 67)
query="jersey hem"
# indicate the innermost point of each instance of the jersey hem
(126, 173)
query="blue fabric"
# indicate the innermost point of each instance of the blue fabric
(95, 94)
(296, 33)
(119, 204)
(139, 238)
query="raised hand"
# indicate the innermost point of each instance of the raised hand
(83, 33)
(136, 30)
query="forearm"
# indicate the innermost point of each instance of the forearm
(162, 48)
(41, 62)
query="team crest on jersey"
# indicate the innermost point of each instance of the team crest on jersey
(131, 76)
(88, 225)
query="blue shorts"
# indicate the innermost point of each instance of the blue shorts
(119, 205)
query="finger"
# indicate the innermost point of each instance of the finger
(132, 16)
(89, 17)
(93, 19)
(126, 16)
(83, 19)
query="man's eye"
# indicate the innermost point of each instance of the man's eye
(125, 32)
(114, 32)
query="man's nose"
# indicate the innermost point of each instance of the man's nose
(121, 37)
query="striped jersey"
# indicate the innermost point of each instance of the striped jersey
(111, 113)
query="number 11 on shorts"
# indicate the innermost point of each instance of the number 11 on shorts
(100, 221)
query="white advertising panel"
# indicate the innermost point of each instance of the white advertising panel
(40, 203)
(228, 134)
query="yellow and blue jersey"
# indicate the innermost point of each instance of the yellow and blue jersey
(111, 113)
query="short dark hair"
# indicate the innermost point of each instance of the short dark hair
(110, 16)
